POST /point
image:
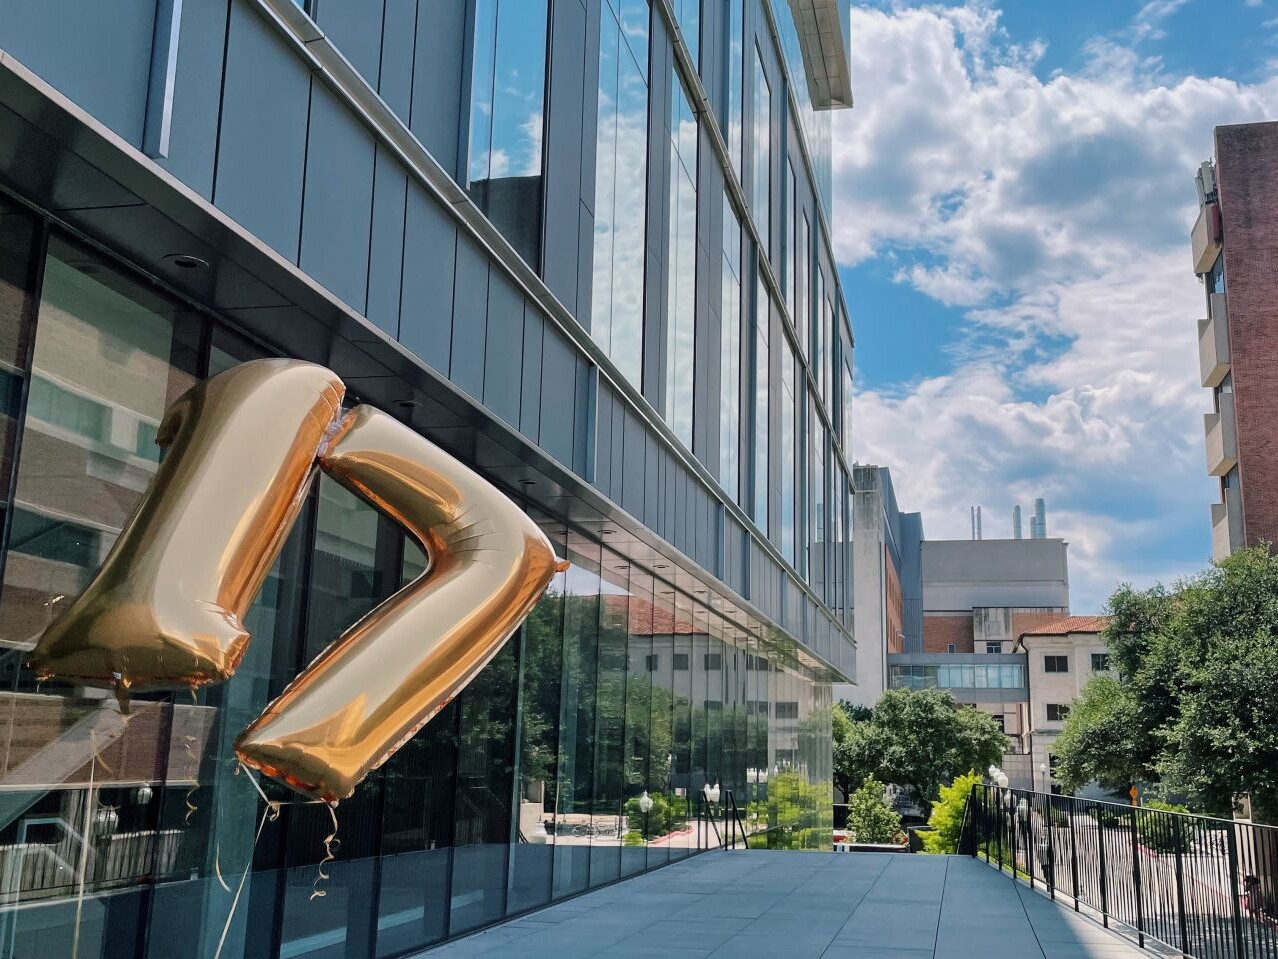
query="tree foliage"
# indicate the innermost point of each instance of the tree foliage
(947, 815)
(1198, 704)
(870, 818)
(1104, 739)
(918, 739)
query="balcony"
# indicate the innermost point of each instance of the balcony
(1222, 437)
(1226, 525)
(1205, 237)
(1213, 343)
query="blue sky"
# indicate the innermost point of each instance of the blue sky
(1013, 196)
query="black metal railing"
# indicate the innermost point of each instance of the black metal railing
(708, 816)
(1205, 886)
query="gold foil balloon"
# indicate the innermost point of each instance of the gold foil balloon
(166, 609)
(398, 666)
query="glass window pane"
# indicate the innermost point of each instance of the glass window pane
(761, 137)
(482, 820)
(610, 716)
(101, 377)
(508, 93)
(682, 296)
(638, 827)
(575, 777)
(730, 356)
(736, 107)
(344, 586)
(616, 319)
(762, 322)
(532, 849)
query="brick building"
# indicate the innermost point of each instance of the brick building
(1235, 244)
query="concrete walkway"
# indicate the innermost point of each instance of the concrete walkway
(804, 905)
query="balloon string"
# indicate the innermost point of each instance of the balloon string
(84, 847)
(331, 843)
(271, 812)
(188, 744)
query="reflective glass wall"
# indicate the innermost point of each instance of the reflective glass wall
(579, 756)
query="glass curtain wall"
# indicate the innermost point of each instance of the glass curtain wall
(616, 315)
(134, 836)
(505, 161)
(681, 316)
(730, 356)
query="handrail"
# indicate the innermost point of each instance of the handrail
(1205, 886)
(738, 823)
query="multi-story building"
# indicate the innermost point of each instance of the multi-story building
(1061, 657)
(583, 246)
(887, 581)
(1233, 242)
(979, 595)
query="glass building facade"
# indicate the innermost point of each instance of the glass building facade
(511, 225)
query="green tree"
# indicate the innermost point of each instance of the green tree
(947, 815)
(921, 739)
(1198, 707)
(850, 730)
(1105, 739)
(870, 818)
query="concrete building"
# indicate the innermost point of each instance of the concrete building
(887, 581)
(1061, 656)
(1234, 241)
(978, 596)
(583, 246)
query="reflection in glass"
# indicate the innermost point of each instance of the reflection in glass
(762, 322)
(688, 13)
(482, 814)
(101, 380)
(606, 819)
(761, 137)
(788, 455)
(730, 356)
(682, 300)
(535, 825)
(616, 318)
(17, 246)
(735, 51)
(576, 763)
(507, 112)
(640, 668)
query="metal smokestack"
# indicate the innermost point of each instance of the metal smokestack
(1038, 526)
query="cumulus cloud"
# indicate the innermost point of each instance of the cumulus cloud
(1054, 211)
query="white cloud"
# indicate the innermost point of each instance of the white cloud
(1056, 211)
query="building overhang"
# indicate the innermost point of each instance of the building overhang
(60, 159)
(823, 37)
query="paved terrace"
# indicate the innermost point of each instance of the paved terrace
(804, 905)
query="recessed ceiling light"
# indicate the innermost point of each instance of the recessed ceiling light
(185, 261)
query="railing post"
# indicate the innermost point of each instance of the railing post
(1179, 841)
(1073, 851)
(1239, 945)
(1140, 918)
(1100, 844)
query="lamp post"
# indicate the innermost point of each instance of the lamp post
(645, 807)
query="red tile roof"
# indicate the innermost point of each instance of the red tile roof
(1069, 624)
(645, 619)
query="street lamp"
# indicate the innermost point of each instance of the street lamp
(645, 807)
(712, 793)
